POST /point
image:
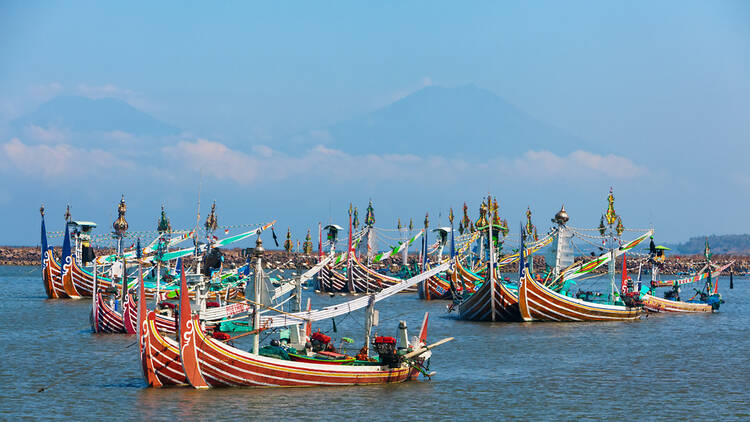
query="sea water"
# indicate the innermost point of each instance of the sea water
(660, 367)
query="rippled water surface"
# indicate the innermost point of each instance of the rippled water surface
(661, 367)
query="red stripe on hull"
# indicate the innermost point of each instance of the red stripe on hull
(223, 365)
(539, 303)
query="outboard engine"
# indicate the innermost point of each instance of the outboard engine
(319, 341)
(386, 348)
(212, 262)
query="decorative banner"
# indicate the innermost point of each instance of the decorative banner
(577, 270)
(397, 249)
(528, 251)
(691, 279)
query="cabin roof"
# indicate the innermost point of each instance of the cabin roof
(84, 223)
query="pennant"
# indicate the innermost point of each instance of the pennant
(275, 239)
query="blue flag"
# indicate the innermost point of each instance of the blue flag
(424, 251)
(66, 258)
(138, 253)
(44, 242)
(453, 242)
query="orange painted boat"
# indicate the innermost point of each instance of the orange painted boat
(537, 302)
(656, 304)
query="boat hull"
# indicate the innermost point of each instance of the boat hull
(537, 302)
(479, 306)
(659, 305)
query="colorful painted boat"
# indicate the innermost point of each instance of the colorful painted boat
(656, 304)
(538, 302)
(492, 301)
(107, 319)
(210, 363)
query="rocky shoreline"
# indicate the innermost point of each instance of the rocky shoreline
(279, 259)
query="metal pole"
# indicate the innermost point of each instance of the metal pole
(491, 275)
(368, 322)
(256, 294)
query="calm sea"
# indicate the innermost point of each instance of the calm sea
(663, 367)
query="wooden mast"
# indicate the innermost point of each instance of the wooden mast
(256, 293)
(121, 226)
(491, 275)
(164, 228)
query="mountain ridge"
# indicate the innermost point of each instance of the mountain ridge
(79, 114)
(435, 118)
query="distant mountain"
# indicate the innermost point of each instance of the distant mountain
(440, 120)
(719, 244)
(85, 115)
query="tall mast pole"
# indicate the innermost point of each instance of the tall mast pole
(369, 314)
(320, 241)
(120, 226)
(349, 274)
(256, 293)
(164, 228)
(425, 250)
(491, 269)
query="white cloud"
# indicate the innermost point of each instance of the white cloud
(46, 135)
(263, 165)
(578, 165)
(56, 161)
(119, 135)
(215, 159)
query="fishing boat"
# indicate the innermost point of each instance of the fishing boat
(704, 300)
(493, 299)
(538, 302)
(208, 362)
(71, 279)
(556, 301)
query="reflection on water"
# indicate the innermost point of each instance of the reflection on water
(663, 366)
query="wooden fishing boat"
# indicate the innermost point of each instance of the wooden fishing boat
(330, 280)
(211, 363)
(366, 279)
(363, 279)
(438, 288)
(160, 355)
(706, 300)
(538, 302)
(656, 304)
(107, 319)
(207, 362)
(69, 279)
(51, 276)
(468, 276)
(435, 288)
(493, 301)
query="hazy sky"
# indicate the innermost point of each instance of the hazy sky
(663, 86)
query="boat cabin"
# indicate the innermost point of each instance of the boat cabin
(80, 232)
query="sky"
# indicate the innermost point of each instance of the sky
(662, 87)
